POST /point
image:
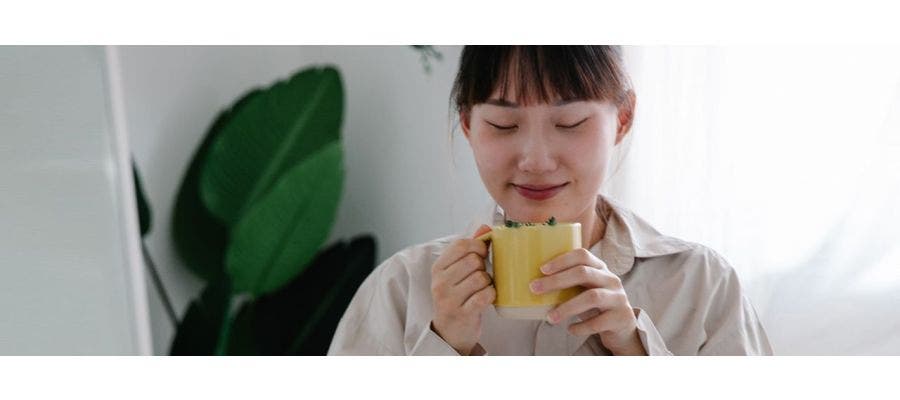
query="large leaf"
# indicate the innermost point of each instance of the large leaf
(199, 329)
(281, 233)
(241, 340)
(315, 335)
(304, 313)
(145, 218)
(272, 133)
(200, 239)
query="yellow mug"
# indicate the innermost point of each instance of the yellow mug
(517, 256)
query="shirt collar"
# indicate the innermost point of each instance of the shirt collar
(627, 236)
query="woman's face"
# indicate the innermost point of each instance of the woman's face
(543, 160)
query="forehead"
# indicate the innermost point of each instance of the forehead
(496, 105)
(536, 75)
(510, 103)
(515, 89)
(518, 86)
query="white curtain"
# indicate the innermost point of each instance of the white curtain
(786, 160)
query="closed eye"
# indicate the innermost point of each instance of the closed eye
(501, 126)
(575, 125)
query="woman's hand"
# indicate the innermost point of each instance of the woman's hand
(461, 290)
(603, 307)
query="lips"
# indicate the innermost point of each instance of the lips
(539, 192)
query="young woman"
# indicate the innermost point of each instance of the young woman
(542, 123)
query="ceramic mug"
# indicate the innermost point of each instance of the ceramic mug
(517, 254)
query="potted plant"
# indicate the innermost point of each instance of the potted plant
(253, 211)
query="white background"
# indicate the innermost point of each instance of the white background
(462, 21)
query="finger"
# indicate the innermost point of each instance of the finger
(480, 299)
(580, 275)
(600, 299)
(457, 295)
(474, 282)
(458, 249)
(461, 269)
(481, 230)
(605, 322)
(579, 256)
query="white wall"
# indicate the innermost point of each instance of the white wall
(67, 278)
(401, 184)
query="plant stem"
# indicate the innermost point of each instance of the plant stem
(225, 329)
(170, 311)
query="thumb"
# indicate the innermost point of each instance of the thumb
(482, 230)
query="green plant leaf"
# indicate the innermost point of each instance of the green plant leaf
(305, 312)
(281, 233)
(315, 336)
(199, 329)
(272, 133)
(241, 341)
(201, 239)
(145, 217)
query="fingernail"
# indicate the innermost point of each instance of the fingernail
(535, 287)
(545, 268)
(553, 317)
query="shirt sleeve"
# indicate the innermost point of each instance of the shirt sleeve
(650, 338)
(731, 324)
(431, 344)
(373, 323)
(354, 335)
(380, 321)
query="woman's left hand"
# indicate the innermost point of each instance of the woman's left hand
(603, 307)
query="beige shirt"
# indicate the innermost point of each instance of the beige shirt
(686, 297)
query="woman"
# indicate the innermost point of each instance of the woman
(542, 123)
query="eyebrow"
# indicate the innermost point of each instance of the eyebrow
(505, 103)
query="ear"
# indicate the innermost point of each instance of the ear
(626, 116)
(465, 123)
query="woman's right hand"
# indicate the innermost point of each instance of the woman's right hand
(461, 290)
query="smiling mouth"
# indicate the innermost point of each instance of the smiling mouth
(539, 192)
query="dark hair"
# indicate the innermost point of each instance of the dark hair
(541, 73)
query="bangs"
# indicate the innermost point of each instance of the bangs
(539, 74)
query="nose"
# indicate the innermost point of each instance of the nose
(536, 154)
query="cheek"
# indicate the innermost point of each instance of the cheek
(590, 156)
(491, 156)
